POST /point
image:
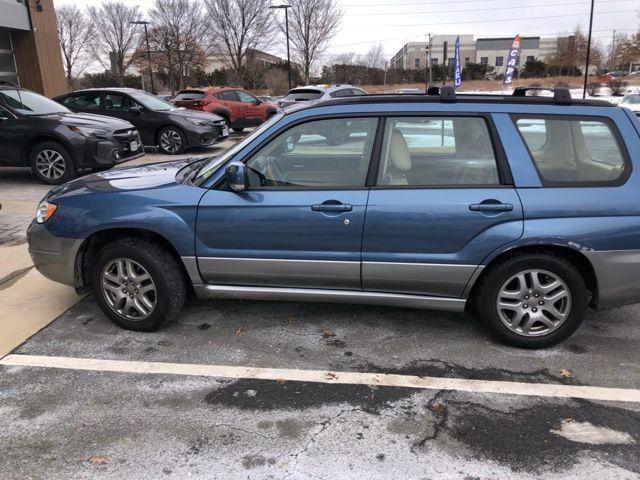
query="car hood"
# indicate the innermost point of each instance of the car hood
(196, 114)
(145, 177)
(91, 120)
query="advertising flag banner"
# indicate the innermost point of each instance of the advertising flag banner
(457, 74)
(512, 61)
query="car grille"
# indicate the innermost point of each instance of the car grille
(124, 139)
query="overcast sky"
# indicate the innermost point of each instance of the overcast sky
(393, 23)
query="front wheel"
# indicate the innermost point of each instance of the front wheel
(138, 284)
(533, 300)
(172, 140)
(51, 163)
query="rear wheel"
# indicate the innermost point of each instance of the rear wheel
(172, 140)
(238, 129)
(51, 163)
(533, 300)
(138, 284)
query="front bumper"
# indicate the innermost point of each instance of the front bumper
(105, 152)
(206, 135)
(54, 257)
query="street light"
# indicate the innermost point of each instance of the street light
(146, 37)
(286, 22)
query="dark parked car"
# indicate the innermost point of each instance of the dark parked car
(39, 133)
(524, 208)
(159, 122)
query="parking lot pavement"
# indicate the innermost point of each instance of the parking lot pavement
(89, 421)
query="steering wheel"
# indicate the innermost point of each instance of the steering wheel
(274, 172)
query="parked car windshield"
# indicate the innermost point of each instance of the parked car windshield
(153, 103)
(31, 103)
(303, 94)
(210, 167)
(632, 99)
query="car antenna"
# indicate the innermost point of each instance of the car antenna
(11, 84)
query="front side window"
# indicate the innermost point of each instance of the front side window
(437, 151)
(228, 96)
(117, 102)
(332, 153)
(246, 97)
(576, 151)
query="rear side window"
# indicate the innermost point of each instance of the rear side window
(85, 101)
(437, 151)
(228, 95)
(574, 151)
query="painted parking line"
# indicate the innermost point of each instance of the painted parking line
(330, 377)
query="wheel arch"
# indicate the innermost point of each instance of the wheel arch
(40, 138)
(92, 245)
(156, 135)
(573, 256)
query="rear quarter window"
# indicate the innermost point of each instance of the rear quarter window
(575, 151)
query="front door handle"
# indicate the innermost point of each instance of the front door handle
(332, 207)
(491, 206)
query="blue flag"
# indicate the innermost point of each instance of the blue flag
(457, 73)
(512, 61)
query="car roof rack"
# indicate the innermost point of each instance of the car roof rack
(561, 95)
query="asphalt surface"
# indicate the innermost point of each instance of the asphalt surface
(61, 424)
(78, 424)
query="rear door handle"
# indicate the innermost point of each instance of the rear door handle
(491, 206)
(332, 207)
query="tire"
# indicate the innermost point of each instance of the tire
(172, 140)
(51, 163)
(162, 305)
(524, 319)
(238, 129)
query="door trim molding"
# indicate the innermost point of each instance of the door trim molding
(331, 296)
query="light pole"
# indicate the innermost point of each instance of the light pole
(146, 37)
(286, 23)
(586, 67)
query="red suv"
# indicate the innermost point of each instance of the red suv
(238, 107)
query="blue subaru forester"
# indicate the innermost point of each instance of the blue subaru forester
(525, 207)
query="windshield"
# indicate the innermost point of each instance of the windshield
(633, 99)
(210, 167)
(153, 103)
(302, 95)
(31, 103)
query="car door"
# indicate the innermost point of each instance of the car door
(299, 224)
(443, 200)
(12, 136)
(230, 100)
(119, 105)
(252, 111)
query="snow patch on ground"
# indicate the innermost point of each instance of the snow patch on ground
(585, 432)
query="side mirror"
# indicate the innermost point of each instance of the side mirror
(236, 176)
(257, 101)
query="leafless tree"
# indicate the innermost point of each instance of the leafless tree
(239, 26)
(178, 39)
(115, 37)
(375, 57)
(75, 33)
(312, 24)
(276, 81)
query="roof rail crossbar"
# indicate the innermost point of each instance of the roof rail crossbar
(561, 95)
(447, 93)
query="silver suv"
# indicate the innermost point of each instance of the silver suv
(317, 93)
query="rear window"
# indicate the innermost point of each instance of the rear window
(304, 94)
(574, 151)
(631, 99)
(189, 95)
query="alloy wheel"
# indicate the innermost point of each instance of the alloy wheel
(533, 303)
(129, 289)
(171, 141)
(50, 164)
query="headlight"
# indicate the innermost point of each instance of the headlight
(197, 121)
(89, 131)
(45, 211)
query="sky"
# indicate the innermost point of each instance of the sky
(393, 23)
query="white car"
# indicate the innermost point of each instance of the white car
(408, 91)
(631, 101)
(316, 93)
